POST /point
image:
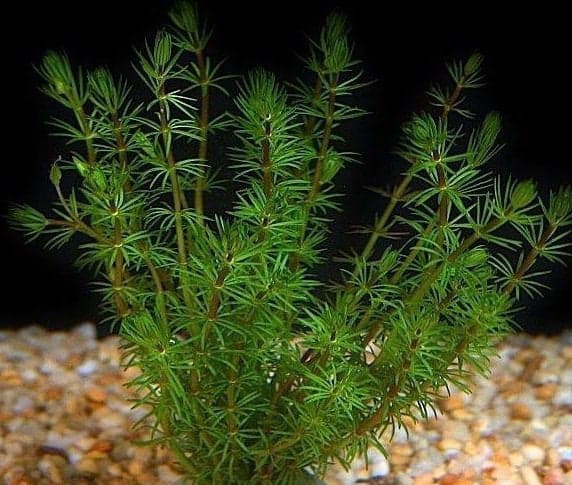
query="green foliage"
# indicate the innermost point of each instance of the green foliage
(254, 371)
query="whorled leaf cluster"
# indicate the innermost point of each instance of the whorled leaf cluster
(253, 370)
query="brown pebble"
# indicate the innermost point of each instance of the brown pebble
(114, 470)
(103, 446)
(472, 449)
(546, 392)
(449, 444)
(456, 479)
(52, 468)
(96, 455)
(566, 352)
(5, 417)
(449, 479)
(552, 458)
(566, 465)
(519, 410)
(135, 468)
(53, 393)
(452, 403)
(73, 361)
(87, 466)
(512, 388)
(402, 449)
(553, 477)
(96, 394)
(531, 367)
(462, 415)
(9, 378)
(424, 479)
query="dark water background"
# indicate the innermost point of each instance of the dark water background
(403, 47)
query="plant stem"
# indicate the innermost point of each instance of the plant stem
(443, 203)
(317, 179)
(422, 289)
(380, 224)
(214, 304)
(176, 191)
(204, 128)
(122, 307)
(266, 162)
(318, 172)
(410, 257)
(402, 187)
(231, 394)
(430, 278)
(78, 109)
(80, 224)
(311, 120)
(530, 258)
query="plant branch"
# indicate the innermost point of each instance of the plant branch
(530, 258)
(204, 128)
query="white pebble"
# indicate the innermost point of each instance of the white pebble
(49, 367)
(380, 468)
(86, 330)
(87, 368)
(565, 453)
(29, 375)
(345, 477)
(426, 460)
(563, 398)
(533, 452)
(403, 479)
(23, 403)
(167, 476)
(566, 378)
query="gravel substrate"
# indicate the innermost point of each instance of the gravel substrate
(64, 419)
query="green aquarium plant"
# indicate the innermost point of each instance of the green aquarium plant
(252, 370)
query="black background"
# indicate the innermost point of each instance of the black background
(403, 47)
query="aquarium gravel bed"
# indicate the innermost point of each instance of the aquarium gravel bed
(64, 419)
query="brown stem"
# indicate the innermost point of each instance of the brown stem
(317, 180)
(530, 258)
(453, 98)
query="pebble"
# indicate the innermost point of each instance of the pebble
(87, 466)
(87, 368)
(545, 392)
(22, 404)
(63, 395)
(96, 394)
(533, 453)
(529, 476)
(563, 398)
(520, 411)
